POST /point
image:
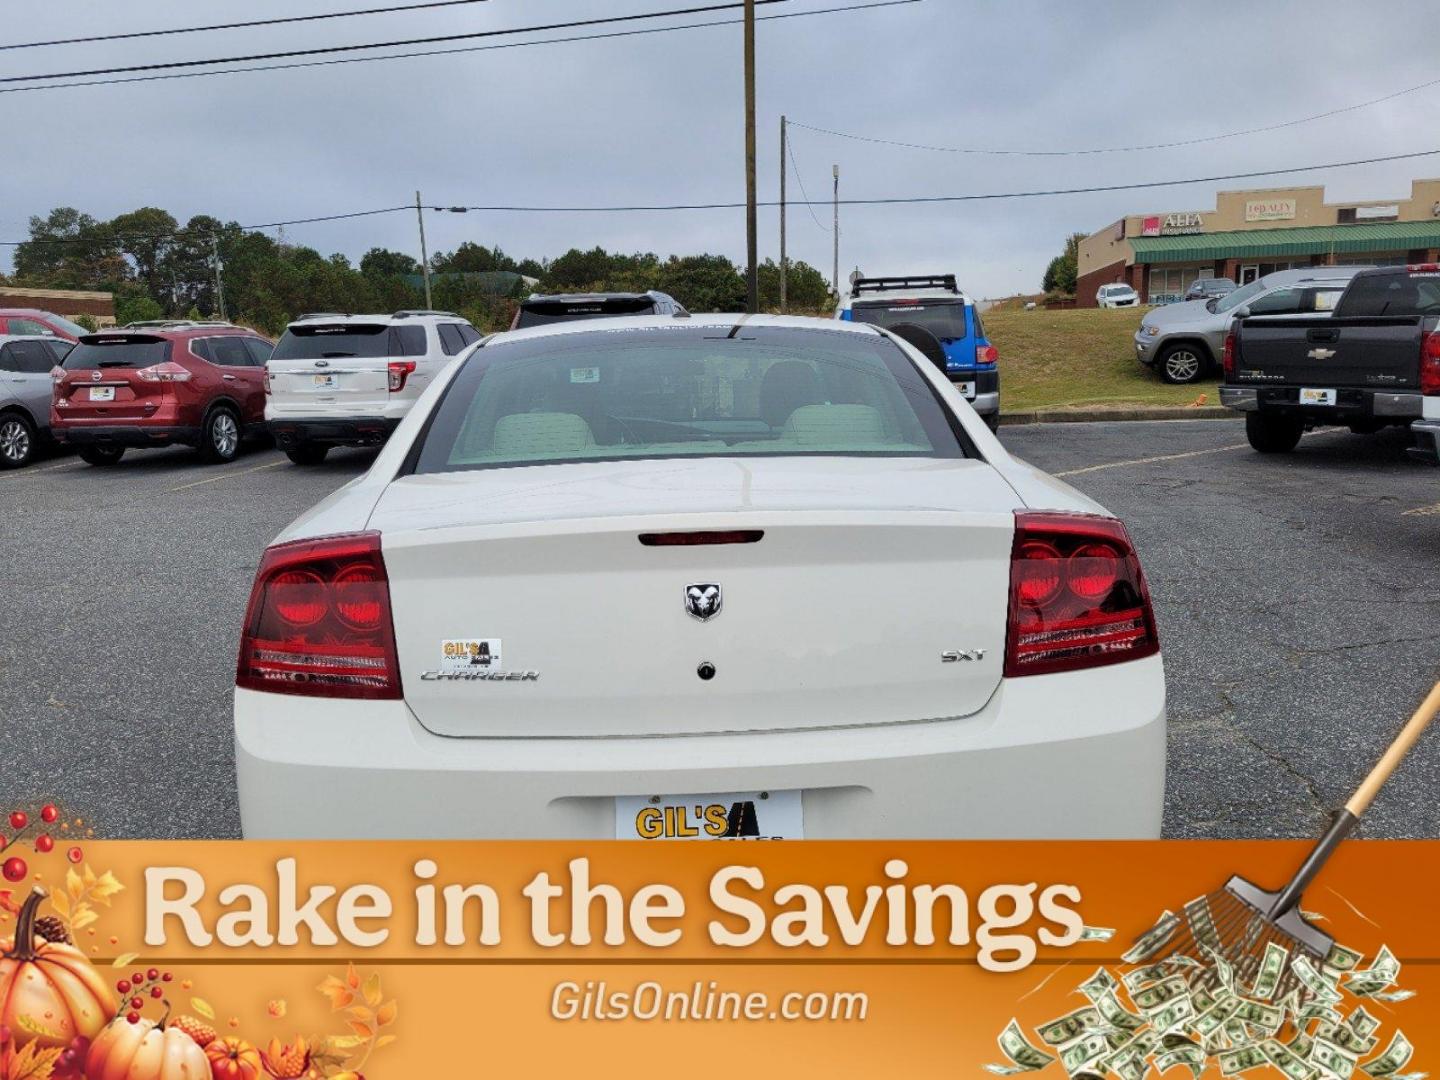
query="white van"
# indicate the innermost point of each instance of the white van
(348, 380)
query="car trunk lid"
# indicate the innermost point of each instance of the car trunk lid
(1375, 352)
(527, 605)
(102, 380)
(336, 363)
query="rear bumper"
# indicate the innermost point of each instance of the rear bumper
(332, 431)
(1427, 440)
(1075, 755)
(986, 398)
(128, 435)
(1351, 404)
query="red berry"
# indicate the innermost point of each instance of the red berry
(133, 1017)
(166, 977)
(15, 869)
(152, 974)
(123, 986)
(49, 813)
(137, 1003)
(75, 854)
(19, 819)
(138, 978)
(44, 844)
(157, 992)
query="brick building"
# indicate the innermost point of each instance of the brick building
(71, 303)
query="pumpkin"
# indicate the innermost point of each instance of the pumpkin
(49, 993)
(145, 1050)
(233, 1059)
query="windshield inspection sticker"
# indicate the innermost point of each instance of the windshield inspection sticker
(470, 654)
(584, 374)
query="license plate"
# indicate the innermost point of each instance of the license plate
(1310, 396)
(966, 388)
(743, 815)
(325, 382)
(102, 393)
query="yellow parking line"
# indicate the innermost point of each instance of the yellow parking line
(226, 476)
(1152, 460)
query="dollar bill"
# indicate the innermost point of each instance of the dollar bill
(1391, 996)
(1069, 1027)
(1097, 933)
(1173, 1015)
(1213, 1019)
(1116, 1015)
(1302, 1044)
(1346, 1038)
(1154, 997)
(1023, 1056)
(1333, 1059)
(1342, 959)
(1268, 1017)
(1202, 923)
(1233, 1062)
(1287, 1061)
(1361, 1022)
(1272, 966)
(1102, 982)
(1380, 975)
(1083, 1052)
(1396, 1056)
(1142, 976)
(1191, 1056)
(1314, 982)
(1223, 971)
(1154, 939)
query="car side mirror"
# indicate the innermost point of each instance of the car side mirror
(1243, 311)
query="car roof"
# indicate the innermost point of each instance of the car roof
(709, 320)
(398, 318)
(35, 337)
(172, 333)
(584, 297)
(24, 311)
(1312, 273)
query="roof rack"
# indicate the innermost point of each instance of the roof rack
(408, 312)
(173, 324)
(321, 315)
(919, 281)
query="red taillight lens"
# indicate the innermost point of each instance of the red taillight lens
(265, 378)
(166, 372)
(1077, 596)
(986, 354)
(1227, 358)
(319, 621)
(399, 371)
(57, 374)
(1430, 365)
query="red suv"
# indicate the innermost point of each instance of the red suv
(200, 384)
(34, 321)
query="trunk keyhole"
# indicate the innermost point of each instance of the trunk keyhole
(706, 670)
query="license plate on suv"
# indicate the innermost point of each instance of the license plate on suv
(745, 815)
(325, 382)
(102, 393)
(966, 388)
(1309, 396)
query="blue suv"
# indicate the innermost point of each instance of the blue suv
(935, 303)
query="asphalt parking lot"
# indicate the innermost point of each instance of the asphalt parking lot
(1298, 600)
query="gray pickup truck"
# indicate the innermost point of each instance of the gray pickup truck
(1374, 363)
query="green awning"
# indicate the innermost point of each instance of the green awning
(1309, 240)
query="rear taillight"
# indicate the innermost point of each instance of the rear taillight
(166, 372)
(265, 379)
(986, 354)
(1227, 358)
(57, 374)
(1423, 268)
(319, 621)
(1077, 596)
(1430, 365)
(399, 371)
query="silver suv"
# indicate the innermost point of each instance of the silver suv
(25, 365)
(1185, 341)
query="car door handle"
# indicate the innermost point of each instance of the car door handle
(228, 378)
(1322, 335)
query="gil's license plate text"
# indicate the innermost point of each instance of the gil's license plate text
(746, 815)
(1309, 396)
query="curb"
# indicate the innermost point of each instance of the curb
(1090, 416)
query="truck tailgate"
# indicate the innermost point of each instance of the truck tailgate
(1379, 352)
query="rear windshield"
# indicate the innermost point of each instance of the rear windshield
(685, 392)
(540, 312)
(1392, 294)
(943, 318)
(129, 351)
(366, 341)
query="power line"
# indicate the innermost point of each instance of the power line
(325, 50)
(238, 25)
(790, 147)
(450, 52)
(911, 200)
(122, 237)
(1124, 149)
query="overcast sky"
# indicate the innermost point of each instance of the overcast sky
(658, 119)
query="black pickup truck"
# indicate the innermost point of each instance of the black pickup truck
(1374, 362)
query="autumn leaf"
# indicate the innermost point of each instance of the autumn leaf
(84, 915)
(386, 1013)
(124, 959)
(59, 901)
(360, 1012)
(339, 995)
(277, 1008)
(344, 1042)
(203, 1007)
(88, 876)
(365, 1031)
(352, 977)
(33, 1063)
(73, 884)
(105, 888)
(7, 902)
(384, 1040)
(28, 1023)
(372, 990)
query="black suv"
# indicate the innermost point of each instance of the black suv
(539, 309)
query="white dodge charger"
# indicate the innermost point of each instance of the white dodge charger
(719, 577)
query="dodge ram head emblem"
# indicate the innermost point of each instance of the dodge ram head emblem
(702, 601)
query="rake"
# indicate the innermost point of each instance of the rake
(1239, 921)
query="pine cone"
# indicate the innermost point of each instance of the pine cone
(201, 1032)
(52, 929)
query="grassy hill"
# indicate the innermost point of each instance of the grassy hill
(1079, 359)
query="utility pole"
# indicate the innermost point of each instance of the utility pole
(219, 284)
(783, 150)
(752, 279)
(835, 228)
(424, 255)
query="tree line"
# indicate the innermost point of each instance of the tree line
(158, 268)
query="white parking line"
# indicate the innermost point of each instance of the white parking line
(1151, 460)
(226, 476)
(1423, 511)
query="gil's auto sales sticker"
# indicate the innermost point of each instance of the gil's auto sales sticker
(470, 654)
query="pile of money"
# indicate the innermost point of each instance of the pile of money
(1199, 1011)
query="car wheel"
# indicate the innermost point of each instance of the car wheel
(220, 436)
(17, 441)
(1273, 434)
(1181, 364)
(101, 455)
(307, 454)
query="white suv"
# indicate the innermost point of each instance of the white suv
(348, 380)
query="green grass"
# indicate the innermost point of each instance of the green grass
(1079, 359)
